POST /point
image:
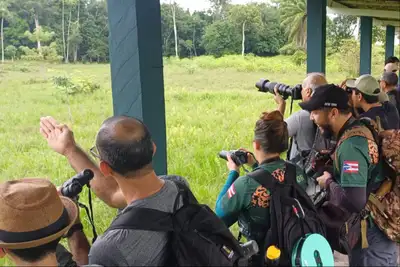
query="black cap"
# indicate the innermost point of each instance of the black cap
(327, 96)
(390, 78)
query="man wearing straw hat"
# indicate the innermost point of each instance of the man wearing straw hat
(33, 219)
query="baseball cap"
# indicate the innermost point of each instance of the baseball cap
(327, 96)
(390, 78)
(366, 84)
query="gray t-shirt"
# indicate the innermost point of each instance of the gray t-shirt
(128, 247)
(302, 128)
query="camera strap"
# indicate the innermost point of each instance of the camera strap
(90, 213)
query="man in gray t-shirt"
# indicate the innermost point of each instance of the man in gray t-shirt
(302, 129)
(124, 177)
(129, 247)
(300, 126)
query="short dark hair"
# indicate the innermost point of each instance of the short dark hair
(125, 144)
(37, 253)
(392, 59)
(370, 99)
(272, 132)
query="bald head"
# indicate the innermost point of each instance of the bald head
(122, 128)
(391, 67)
(125, 144)
(313, 80)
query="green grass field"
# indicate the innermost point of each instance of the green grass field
(210, 105)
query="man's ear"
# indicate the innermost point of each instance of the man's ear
(154, 149)
(105, 169)
(309, 92)
(256, 145)
(2, 253)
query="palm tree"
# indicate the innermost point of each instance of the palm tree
(294, 21)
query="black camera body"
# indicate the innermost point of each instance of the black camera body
(238, 156)
(320, 162)
(73, 187)
(284, 90)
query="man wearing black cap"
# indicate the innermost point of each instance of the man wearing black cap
(356, 164)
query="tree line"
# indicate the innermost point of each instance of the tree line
(77, 30)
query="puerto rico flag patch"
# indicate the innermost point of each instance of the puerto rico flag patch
(350, 166)
(231, 191)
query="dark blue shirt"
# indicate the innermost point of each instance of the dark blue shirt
(387, 113)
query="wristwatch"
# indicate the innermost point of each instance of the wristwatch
(73, 229)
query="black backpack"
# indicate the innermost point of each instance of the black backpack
(287, 199)
(197, 236)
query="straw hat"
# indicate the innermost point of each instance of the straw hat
(33, 214)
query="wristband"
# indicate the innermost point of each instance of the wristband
(73, 229)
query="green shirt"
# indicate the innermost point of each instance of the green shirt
(247, 201)
(358, 161)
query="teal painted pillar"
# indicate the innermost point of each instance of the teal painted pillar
(316, 35)
(390, 35)
(137, 68)
(366, 45)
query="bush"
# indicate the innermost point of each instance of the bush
(288, 49)
(66, 87)
(299, 58)
(10, 52)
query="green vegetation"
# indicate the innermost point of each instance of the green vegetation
(77, 30)
(212, 61)
(211, 104)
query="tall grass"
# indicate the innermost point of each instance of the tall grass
(211, 104)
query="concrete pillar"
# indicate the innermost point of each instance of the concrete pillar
(137, 68)
(390, 34)
(366, 45)
(316, 35)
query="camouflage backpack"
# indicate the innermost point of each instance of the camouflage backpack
(384, 204)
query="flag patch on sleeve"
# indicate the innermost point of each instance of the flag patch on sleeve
(350, 166)
(231, 191)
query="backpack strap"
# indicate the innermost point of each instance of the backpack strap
(362, 131)
(143, 219)
(263, 177)
(151, 219)
(266, 179)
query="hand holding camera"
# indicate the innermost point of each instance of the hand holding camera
(237, 158)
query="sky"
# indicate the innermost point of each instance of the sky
(193, 5)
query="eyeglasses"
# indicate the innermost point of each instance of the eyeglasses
(94, 152)
(350, 90)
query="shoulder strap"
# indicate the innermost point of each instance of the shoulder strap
(151, 219)
(143, 219)
(263, 177)
(290, 173)
(363, 131)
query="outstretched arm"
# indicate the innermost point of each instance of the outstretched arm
(61, 139)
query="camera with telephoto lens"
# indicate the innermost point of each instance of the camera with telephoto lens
(238, 156)
(73, 187)
(284, 90)
(320, 162)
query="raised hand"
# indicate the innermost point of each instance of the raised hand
(59, 137)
